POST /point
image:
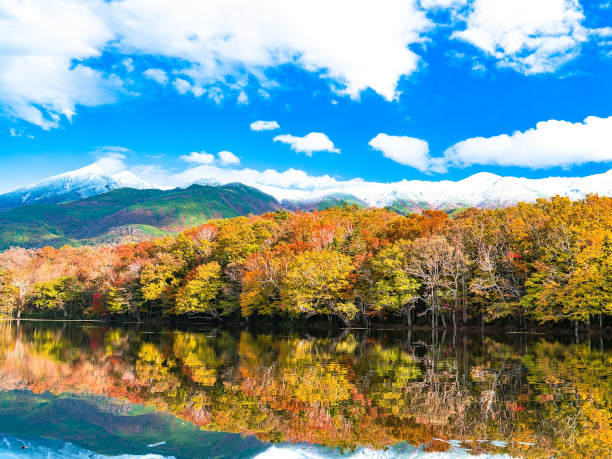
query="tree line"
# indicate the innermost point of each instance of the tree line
(548, 261)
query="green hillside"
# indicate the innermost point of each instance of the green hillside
(127, 214)
(325, 202)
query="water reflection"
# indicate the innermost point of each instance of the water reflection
(527, 396)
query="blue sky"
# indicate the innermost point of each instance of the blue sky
(381, 91)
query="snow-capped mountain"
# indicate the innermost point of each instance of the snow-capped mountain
(482, 190)
(79, 184)
(204, 181)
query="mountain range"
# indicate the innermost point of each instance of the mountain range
(127, 215)
(90, 206)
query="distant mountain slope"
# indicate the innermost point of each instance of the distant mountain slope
(88, 205)
(71, 186)
(128, 214)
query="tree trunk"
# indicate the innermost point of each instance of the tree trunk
(20, 307)
(588, 324)
(576, 330)
(465, 318)
(344, 319)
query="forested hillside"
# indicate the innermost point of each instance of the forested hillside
(550, 261)
(127, 214)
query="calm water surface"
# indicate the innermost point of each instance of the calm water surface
(85, 390)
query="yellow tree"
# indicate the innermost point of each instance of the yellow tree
(199, 292)
(395, 290)
(317, 283)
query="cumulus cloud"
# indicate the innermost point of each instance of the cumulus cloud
(223, 158)
(264, 125)
(50, 50)
(128, 63)
(551, 143)
(269, 179)
(530, 37)
(310, 143)
(227, 158)
(42, 48)
(157, 75)
(111, 159)
(355, 46)
(198, 158)
(407, 151)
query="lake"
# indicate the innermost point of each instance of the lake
(82, 389)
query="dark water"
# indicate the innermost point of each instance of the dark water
(85, 390)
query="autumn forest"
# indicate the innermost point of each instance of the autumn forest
(549, 262)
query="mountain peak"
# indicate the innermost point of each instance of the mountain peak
(92, 169)
(69, 186)
(481, 177)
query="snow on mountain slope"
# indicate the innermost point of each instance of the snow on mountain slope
(81, 183)
(484, 190)
(480, 190)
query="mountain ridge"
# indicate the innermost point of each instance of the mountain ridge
(483, 189)
(128, 215)
(70, 186)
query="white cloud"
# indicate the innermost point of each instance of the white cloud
(353, 44)
(442, 4)
(42, 46)
(551, 143)
(407, 151)
(310, 143)
(157, 75)
(111, 159)
(243, 98)
(49, 50)
(199, 158)
(215, 94)
(128, 64)
(268, 179)
(264, 125)
(224, 158)
(528, 36)
(602, 32)
(183, 87)
(228, 158)
(356, 44)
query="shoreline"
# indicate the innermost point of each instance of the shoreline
(324, 325)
